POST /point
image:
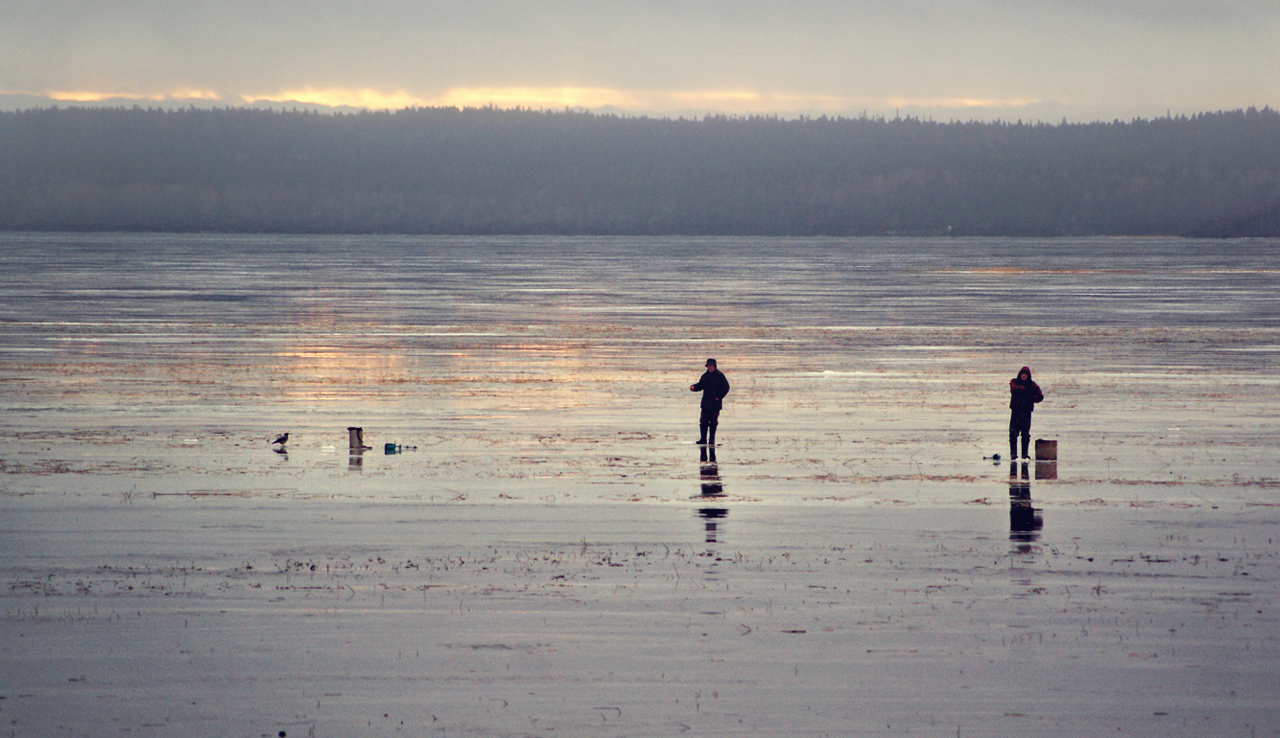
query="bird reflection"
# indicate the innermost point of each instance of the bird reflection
(1024, 520)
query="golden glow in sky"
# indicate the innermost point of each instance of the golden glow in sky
(734, 101)
(338, 97)
(94, 96)
(554, 98)
(1085, 60)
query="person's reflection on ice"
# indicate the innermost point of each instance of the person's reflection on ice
(1024, 520)
(712, 487)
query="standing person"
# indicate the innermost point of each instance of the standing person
(1023, 396)
(714, 387)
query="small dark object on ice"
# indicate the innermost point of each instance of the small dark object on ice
(395, 448)
(992, 458)
(282, 439)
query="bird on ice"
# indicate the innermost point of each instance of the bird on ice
(281, 439)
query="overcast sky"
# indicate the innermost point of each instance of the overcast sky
(945, 59)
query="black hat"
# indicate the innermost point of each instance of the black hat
(711, 362)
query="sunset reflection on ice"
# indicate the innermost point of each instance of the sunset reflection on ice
(544, 545)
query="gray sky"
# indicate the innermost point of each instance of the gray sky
(946, 59)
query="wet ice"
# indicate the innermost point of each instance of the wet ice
(550, 555)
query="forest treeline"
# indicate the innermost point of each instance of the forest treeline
(489, 171)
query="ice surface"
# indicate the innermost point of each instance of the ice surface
(550, 555)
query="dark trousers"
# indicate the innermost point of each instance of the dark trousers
(1019, 425)
(708, 421)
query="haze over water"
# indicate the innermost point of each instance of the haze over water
(549, 554)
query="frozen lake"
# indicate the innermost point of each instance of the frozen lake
(550, 555)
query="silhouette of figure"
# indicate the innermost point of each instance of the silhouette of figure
(1023, 396)
(714, 387)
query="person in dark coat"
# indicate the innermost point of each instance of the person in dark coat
(1023, 396)
(714, 386)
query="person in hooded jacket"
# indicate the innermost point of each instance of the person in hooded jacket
(1023, 396)
(714, 386)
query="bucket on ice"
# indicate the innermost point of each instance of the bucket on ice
(357, 439)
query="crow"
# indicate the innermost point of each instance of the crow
(282, 439)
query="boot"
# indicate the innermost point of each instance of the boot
(702, 434)
(711, 436)
(1026, 441)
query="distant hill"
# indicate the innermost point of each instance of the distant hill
(1264, 222)
(483, 171)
